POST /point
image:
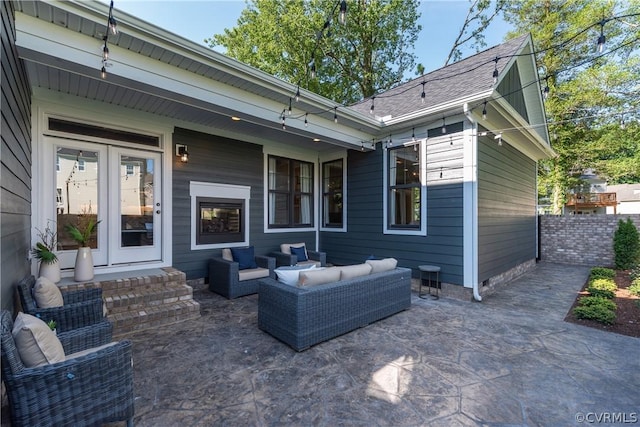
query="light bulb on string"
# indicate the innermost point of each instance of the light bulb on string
(105, 50)
(312, 67)
(372, 105)
(413, 134)
(289, 111)
(298, 94)
(602, 39)
(484, 111)
(335, 114)
(423, 95)
(306, 122)
(342, 18)
(495, 71)
(103, 72)
(444, 126)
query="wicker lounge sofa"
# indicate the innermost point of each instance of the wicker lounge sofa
(304, 316)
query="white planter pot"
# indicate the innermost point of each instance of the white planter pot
(84, 265)
(50, 270)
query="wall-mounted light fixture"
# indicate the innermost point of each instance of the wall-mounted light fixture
(181, 151)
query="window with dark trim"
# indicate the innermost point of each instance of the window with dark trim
(332, 191)
(404, 192)
(290, 193)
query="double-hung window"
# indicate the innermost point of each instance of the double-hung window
(404, 188)
(332, 194)
(290, 193)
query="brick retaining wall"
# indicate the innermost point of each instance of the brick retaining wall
(580, 239)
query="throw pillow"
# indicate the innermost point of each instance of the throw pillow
(226, 254)
(300, 253)
(36, 343)
(244, 257)
(47, 294)
(285, 248)
(380, 265)
(318, 276)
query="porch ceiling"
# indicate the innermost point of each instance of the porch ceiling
(78, 26)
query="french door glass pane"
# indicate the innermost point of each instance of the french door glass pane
(76, 193)
(136, 201)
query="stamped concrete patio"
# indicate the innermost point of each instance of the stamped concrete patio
(510, 360)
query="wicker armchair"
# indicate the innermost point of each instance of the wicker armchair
(92, 389)
(226, 278)
(81, 308)
(284, 256)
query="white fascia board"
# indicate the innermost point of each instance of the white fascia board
(39, 36)
(438, 109)
(534, 146)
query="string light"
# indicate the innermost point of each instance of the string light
(111, 27)
(312, 67)
(306, 122)
(298, 94)
(444, 127)
(495, 71)
(423, 95)
(484, 110)
(335, 114)
(372, 105)
(343, 12)
(602, 39)
(413, 134)
(289, 111)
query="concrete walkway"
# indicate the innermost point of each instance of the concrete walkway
(510, 360)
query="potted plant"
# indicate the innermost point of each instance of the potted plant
(44, 251)
(82, 233)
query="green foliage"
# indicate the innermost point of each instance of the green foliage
(605, 288)
(635, 272)
(598, 313)
(634, 289)
(602, 273)
(52, 324)
(44, 249)
(369, 54)
(588, 92)
(626, 245)
(591, 301)
(82, 234)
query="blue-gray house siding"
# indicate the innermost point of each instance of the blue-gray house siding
(443, 244)
(506, 208)
(15, 186)
(220, 160)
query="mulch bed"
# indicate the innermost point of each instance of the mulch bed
(627, 314)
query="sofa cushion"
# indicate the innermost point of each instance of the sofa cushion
(318, 276)
(285, 248)
(299, 252)
(290, 275)
(380, 265)
(352, 271)
(253, 273)
(37, 344)
(245, 257)
(47, 294)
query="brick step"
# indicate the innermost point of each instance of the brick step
(146, 296)
(153, 316)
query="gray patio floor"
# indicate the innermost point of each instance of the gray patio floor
(510, 360)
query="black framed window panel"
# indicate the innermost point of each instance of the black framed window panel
(332, 191)
(404, 192)
(290, 193)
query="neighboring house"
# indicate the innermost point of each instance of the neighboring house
(592, 197)
(438, 182)
(628, 197)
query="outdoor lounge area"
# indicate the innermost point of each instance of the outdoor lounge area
(521, 365)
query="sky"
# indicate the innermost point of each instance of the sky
(197, 20)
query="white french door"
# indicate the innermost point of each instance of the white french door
(135, 204)
(120, 187)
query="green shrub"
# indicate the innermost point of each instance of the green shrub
(602, 273)
(635, 272)
(634, 289)
(626, 245)
(598, 313)
(602, 288)
(591, 301)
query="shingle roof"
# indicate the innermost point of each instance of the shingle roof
(460, 80)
